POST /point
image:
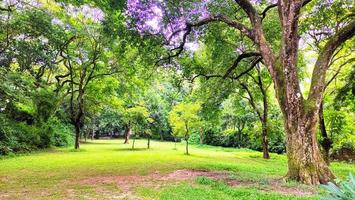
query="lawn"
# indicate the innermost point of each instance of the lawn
(109, 169)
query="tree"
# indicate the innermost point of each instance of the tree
(238, 119)
(326, 139)
(137, 118)
(263, 112)
(84, 60)
(305, 162)
(184, 119)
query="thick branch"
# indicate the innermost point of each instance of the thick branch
(238, 60)
(322, 63)
(212, 18)
(252, 65)
(248, 8)
(263, 14)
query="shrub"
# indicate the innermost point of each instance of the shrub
(17, 137)
(343, 190)
(194, 138)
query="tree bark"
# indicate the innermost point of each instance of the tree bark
(326, 142)
(264, 118)
(305, 161)
(265, 140)
(127, 134)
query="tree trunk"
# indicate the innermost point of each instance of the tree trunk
(187, 146)
(77, 135)
(134, 139)
(239, 132)
(305, 161)
(264, 122)
(127, 134)
(175, 142)
(265, 141)
(148, 142)
(325, 142)
(161, 136)
(201, 136)
(92, 134)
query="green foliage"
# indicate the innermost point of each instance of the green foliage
(343, 190)
(18, 137)
(194, 138)
(184, 119)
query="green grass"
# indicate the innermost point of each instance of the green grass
(63, 173)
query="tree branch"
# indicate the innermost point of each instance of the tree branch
(212, 18)
(251, 100)
(252, 65)
(238, 60)
(338, 71)
(322, 63)
(263, 14)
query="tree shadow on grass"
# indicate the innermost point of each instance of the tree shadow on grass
(99, 143)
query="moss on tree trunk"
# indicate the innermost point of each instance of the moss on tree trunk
(305, 161)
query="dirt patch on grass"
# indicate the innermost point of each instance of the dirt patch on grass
(178, 175)
(280, 187)
(124, 185)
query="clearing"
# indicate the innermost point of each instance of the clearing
(108, 169)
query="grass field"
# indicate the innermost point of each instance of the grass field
(108, 169)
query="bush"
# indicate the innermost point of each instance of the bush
(194, 138)
(17, 137)
(343, 190)
(63, 134)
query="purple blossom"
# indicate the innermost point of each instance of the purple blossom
(154, 17)
(56, 21)
(21, 4)
(96, 15)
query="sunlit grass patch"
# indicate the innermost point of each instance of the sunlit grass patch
(61, 172)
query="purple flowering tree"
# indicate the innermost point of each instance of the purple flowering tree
(179, 22)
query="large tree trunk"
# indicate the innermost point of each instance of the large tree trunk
(127, 134)
(325, 142)
(305, 161)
